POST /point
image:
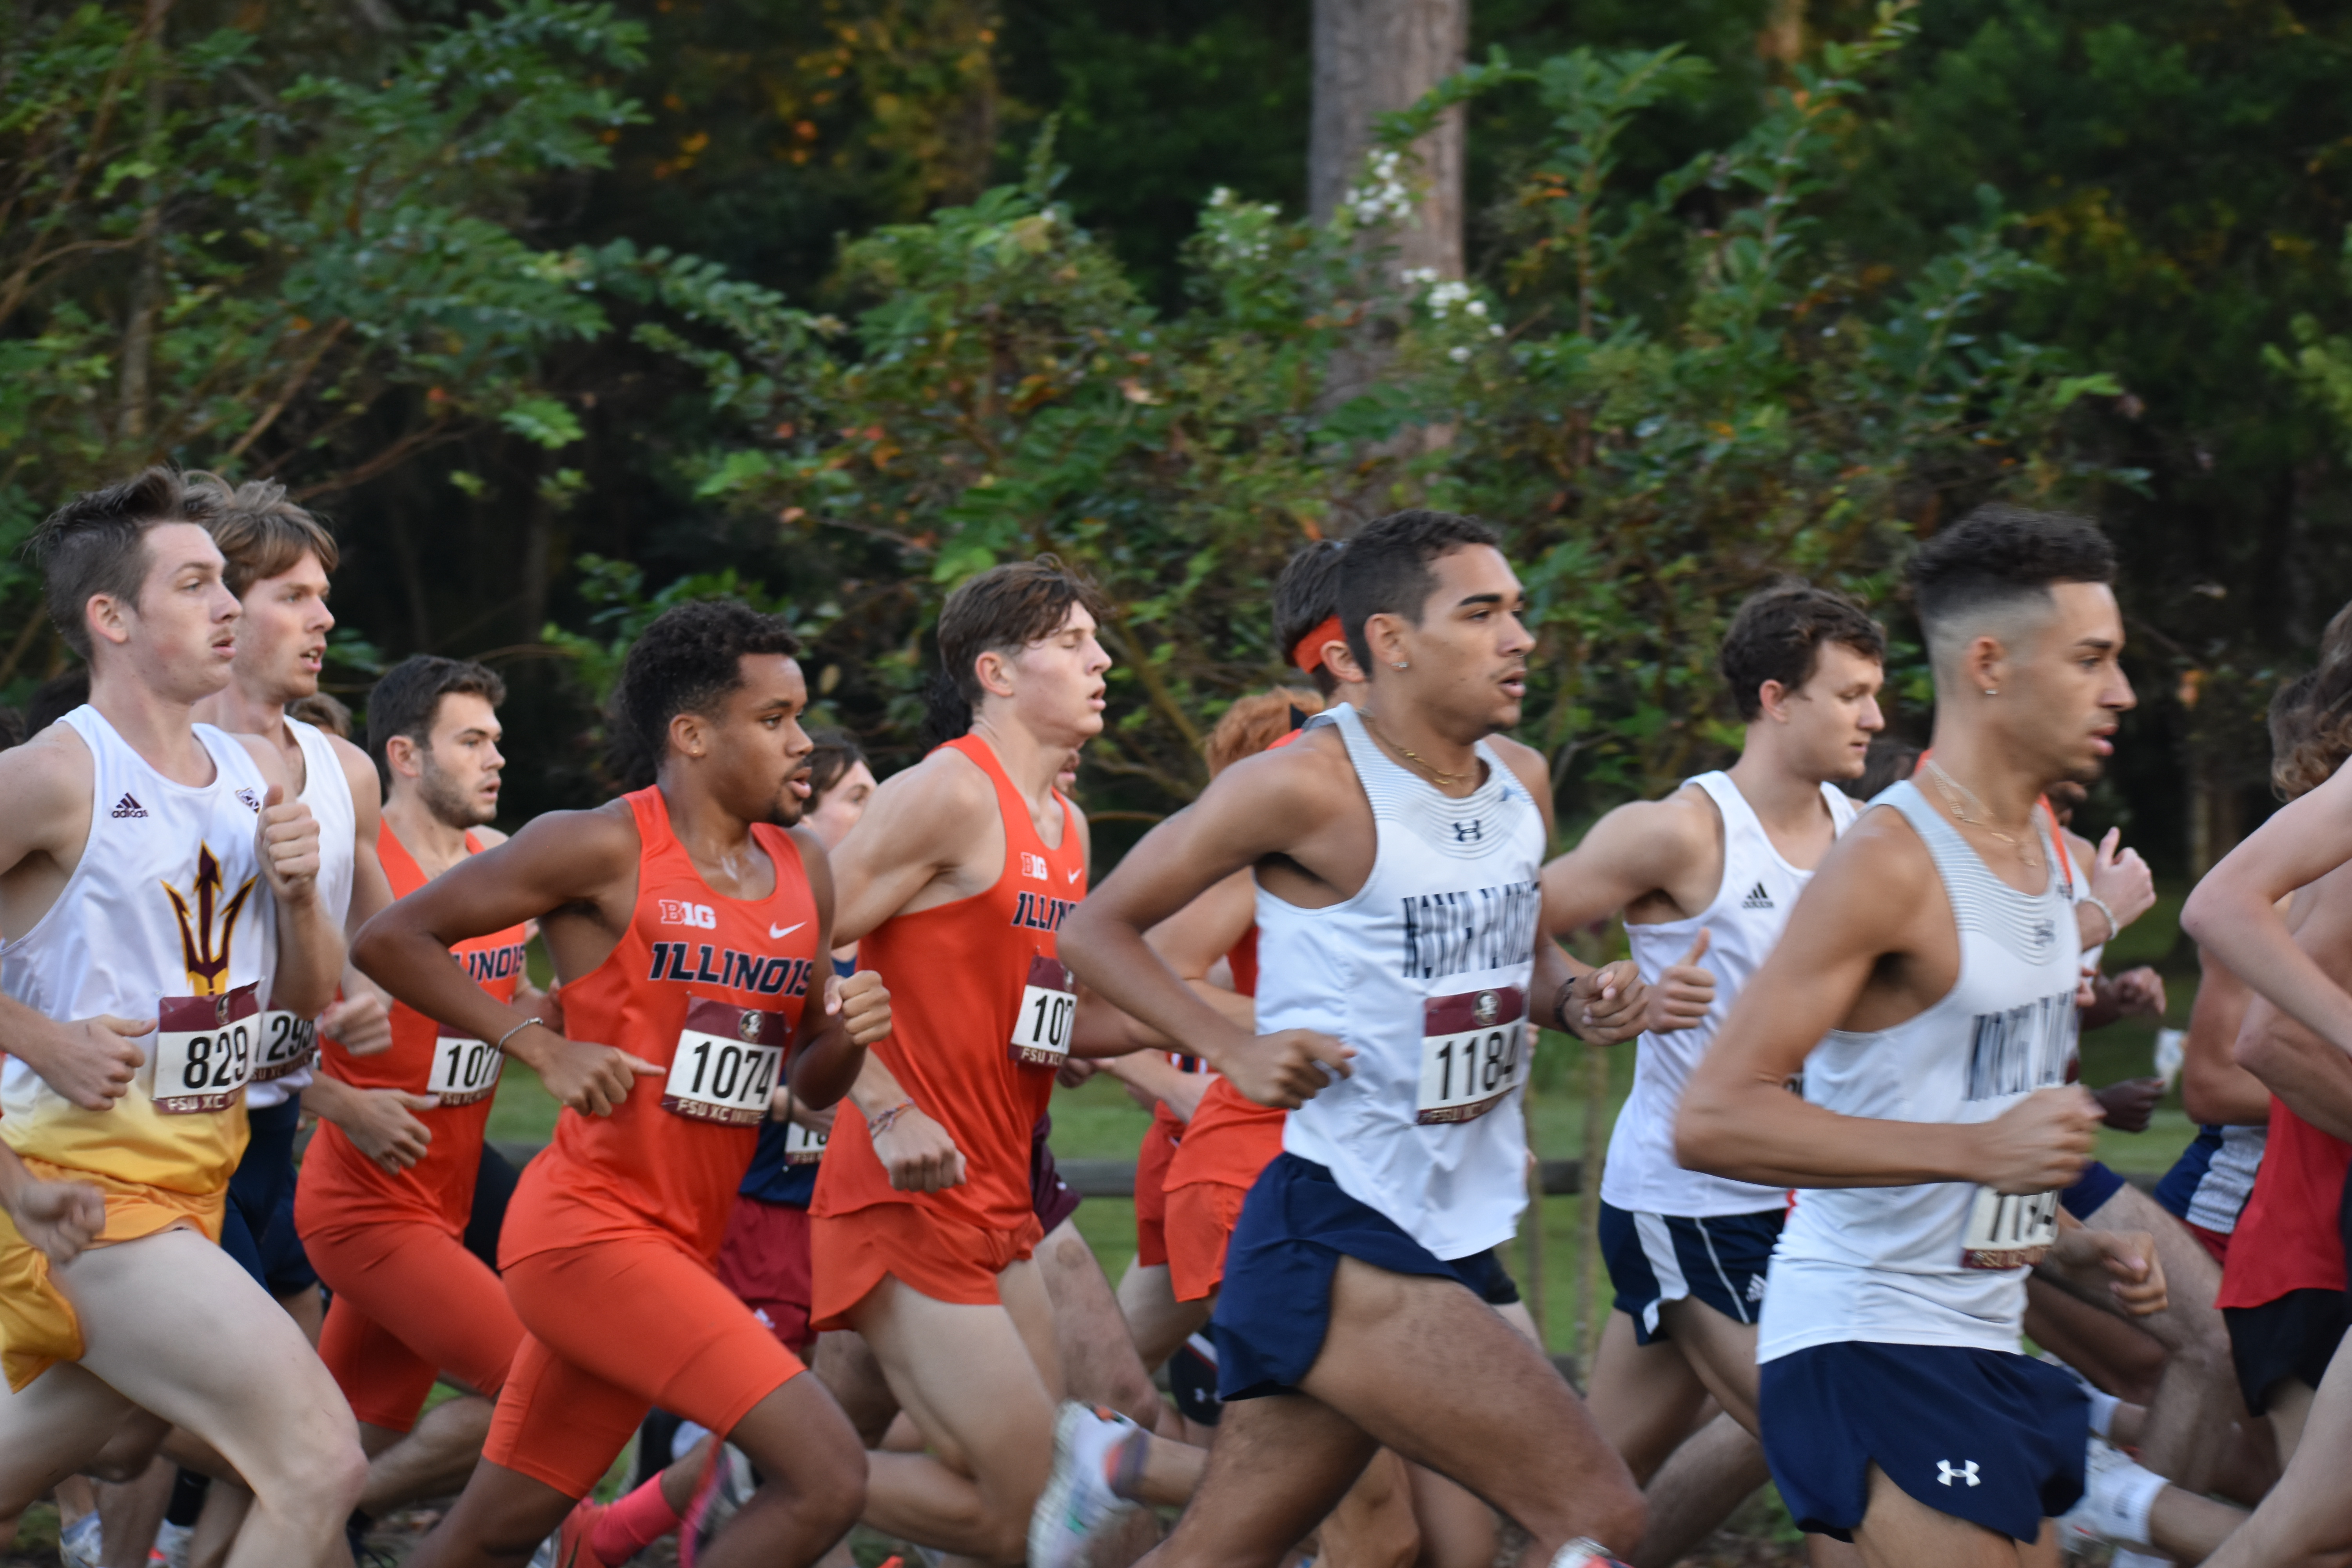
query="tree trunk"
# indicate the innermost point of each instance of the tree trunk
(1372, 56)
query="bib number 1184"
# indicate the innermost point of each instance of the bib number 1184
(1049, 1010)
(1472, 1053)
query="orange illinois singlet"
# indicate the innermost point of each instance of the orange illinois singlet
(980, 1013)
(339, 1184)
(708, 988)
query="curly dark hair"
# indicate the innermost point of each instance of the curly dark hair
(2311, 717)
(688, 661)
(1779, 633)
(1385, 571)
(1999, 555)
(97, 543)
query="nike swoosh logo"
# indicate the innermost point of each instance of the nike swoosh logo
(1076, 875)
(785, 930)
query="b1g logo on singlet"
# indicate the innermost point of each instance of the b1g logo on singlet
(1462, 932)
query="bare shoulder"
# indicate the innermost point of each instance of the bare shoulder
(947, 782)
(1878, 864)
(359, 772)
(1532, 769)
(266, 757)
(52, 773)
(1663, 834)
(601, 839)
(490, 836)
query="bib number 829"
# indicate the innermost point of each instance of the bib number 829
(1472, 1053)
(203, 1050)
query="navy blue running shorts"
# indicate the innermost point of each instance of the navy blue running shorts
(1995, 1439)
(1275, 1305)
(1720, 1260)
(2090, 1192)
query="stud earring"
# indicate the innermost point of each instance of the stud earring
(1989, 691)
(1403, 664)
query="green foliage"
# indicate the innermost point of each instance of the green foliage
(1669, 400)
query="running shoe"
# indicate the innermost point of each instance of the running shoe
(2117, 1495)
(726, 1484)
(1583, 1554)
(79, 1545)
(172, 1542)
(2103, 1404)
(1078, 1501)
(568, 1547)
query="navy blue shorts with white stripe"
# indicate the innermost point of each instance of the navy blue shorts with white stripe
(1991, 1436)
(1719, 1259)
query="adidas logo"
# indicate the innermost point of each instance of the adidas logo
(127, 806)
(1755, 1288)
(1756, 898)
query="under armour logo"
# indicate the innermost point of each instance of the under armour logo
(1756, 898)
(1466, 833)
(1947, 1475)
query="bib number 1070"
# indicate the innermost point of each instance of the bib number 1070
(1473, 1052)
(1049, 1009)
(728, 1059)
(464, 1069)
(203, 1050)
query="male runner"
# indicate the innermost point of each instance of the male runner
(386, 1194)
(1397, 911)
(954, 885)
(687, 927)
(158, 883)
(1924, 989)
(1706, 877)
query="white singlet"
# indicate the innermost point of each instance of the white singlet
(1752, 906)
(327, 791)
(1921, 1265)
(167, 906)
(1425, 972)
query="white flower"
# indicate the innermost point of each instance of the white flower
(1459, 354)
(1477, 307)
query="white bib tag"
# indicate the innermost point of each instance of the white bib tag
(1472, 1053)
(803, 1146)
(203, 1050)
(2008, 1230)
(728, 1059)
(1049, 1009)
(464, 1070)
(287, 1044)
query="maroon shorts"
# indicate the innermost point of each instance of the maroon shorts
(764, 1260)
(1049, 1195)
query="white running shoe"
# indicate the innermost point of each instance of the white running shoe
(2117, 1496)
(2127, 1558)
(1078, 1501)
(2103, 1404)
(79, 1545)
(172, 1543)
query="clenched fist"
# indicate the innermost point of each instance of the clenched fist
(286, 835)
(1288, 1069)
(862, 1002)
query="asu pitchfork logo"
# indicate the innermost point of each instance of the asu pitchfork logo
(207, 969)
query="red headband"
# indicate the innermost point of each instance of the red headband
(1308, 655)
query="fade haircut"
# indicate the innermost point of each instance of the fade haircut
(1386, 569)
(1778, 634)
(1996, 561)
(407, 700)
(690, 660)
(1003, 610)
(97, 543)
(262, 533)
(1304, 597)
(2311, 717)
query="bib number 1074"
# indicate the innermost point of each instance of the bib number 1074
(728, 1059)
(203, 1050)
(1473, 1051)
(1049, 1010)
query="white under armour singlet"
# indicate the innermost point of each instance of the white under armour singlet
(282, 1067)
(1751, 905)
(1931, 1265)
(166, 914)
(1425, 972)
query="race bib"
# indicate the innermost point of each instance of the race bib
(728, 1059)
(1472, 1053)
(1049, 1007)
(203, 1050)
(803, 1145)
(464, 1070)
(288, 1042)
(2008, 1230)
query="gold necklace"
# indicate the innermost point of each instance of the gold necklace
(1439, 775)
(1953, 789)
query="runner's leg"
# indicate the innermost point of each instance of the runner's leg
(1900, 1531)
(1375, 1525)
(1279, 1466)
(1644, 1398)
(1425, 1367)
(1718, 1467)
(1157, 1320)
(847, 1365)
(1098, 1352)
(432, 1458)
(174, 1324)
(813, 1484)
(2306, 1521)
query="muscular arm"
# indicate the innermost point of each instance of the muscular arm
(2233, 914)
(582, 861)
(2214, 1089)
(920, 827)
(1645, 848)
(1869, 914)
(831, 1052)
(2313, 1078)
